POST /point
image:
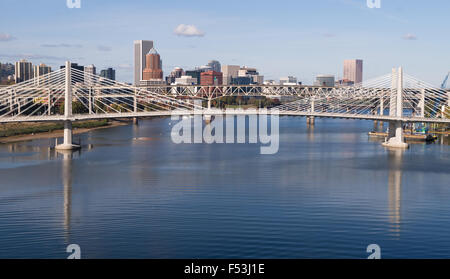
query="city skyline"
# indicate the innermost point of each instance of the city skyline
(295, 46)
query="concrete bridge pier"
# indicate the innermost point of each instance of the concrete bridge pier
(395, 136)
(67, 144)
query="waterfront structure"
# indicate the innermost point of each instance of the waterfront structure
(324, 80)
(108, 73)
(23, 71)
(289, 80)
(229, 72)
(211, 78)
(153, 68)
(214, 65)
(141, 48)
(353, 70)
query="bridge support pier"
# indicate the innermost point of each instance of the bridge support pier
(395, 137)
(67, 144)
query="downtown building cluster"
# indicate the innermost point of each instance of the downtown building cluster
(148, 71)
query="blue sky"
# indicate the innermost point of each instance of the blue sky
(280, 38)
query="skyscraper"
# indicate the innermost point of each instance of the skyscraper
(39, 70)
(153, 68)
(229, 72)
(141, 48)
(353, 70)
(88, 72)
(109, 73)
(24, 71)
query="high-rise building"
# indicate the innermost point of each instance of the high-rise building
(214, 65)
(153, 68)
(39, 70)
(211, 78)
(324, 80)
(229, 72)
(109, 73)
(141, 48)
(353, 70)
(89, 71)
(23, 71)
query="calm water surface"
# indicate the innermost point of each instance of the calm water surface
(132, 193)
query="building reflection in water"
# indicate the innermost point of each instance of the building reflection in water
(394, 188)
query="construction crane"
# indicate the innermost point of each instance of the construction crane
(444, 83)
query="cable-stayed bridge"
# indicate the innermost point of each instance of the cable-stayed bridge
(69, 95)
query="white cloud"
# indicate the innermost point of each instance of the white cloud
(4, 37)
(61, 45)
(104, 48)
(188, 31)
(410, 37)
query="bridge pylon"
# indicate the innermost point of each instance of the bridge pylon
(395, 138)
(67, 144)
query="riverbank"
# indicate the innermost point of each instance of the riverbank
(29, 131)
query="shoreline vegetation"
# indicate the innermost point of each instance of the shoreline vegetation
(15, 132)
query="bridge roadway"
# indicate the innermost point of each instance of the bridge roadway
(78, 117)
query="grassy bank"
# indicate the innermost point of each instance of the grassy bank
(15, 129)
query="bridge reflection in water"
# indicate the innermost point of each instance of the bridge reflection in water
(394, 188)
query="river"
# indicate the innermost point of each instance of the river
(328, 192)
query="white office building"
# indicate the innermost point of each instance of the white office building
(141, 48)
